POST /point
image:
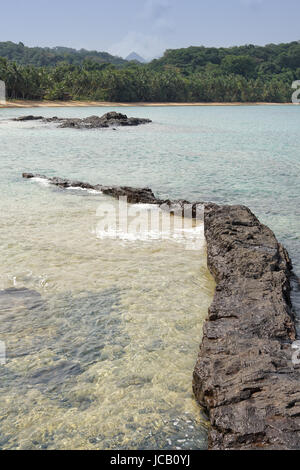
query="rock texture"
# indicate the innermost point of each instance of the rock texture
(244, 376)
(111, 119)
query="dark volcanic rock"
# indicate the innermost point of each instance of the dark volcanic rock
(28, 118)
(134, 195)
(244, 375)
(111, 119)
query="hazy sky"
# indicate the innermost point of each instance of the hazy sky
(148, 26)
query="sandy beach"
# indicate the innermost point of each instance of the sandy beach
(59, 104)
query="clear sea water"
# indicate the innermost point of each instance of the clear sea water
(102, 344)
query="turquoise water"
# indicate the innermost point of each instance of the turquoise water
(102, 345)
(235, 155)
(247, 155)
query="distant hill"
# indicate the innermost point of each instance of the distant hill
(45, 56)
(249, 60)
(136, 58)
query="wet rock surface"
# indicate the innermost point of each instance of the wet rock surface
(28, 118)
(111, 119)
(244, 376)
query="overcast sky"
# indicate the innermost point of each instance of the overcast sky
(148, 27)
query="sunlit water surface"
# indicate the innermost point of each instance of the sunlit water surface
(102, 344)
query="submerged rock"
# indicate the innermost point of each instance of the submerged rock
(245, 376)
(55, 375)
(9, 298)
(111, 119)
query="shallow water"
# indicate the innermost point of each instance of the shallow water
(101, 347)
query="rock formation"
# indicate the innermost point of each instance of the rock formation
(111, 119)
(134, 195)
(245, 377)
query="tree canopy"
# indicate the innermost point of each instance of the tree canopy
(238, 74)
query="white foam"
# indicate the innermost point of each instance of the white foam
(47, 182)
(145, 206)
(90, 191)
(193, 237)
(21, 124)
(146, 223)
(41, 181)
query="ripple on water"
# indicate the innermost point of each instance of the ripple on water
(84, 373)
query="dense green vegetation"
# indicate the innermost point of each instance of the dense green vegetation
(50, 57)
(247, 73)
(250, 61)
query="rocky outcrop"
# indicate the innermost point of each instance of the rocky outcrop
(134, 195)
(111, 119)
(28, 118)
(245, 377)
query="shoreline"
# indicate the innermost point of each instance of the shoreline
(68, 104)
